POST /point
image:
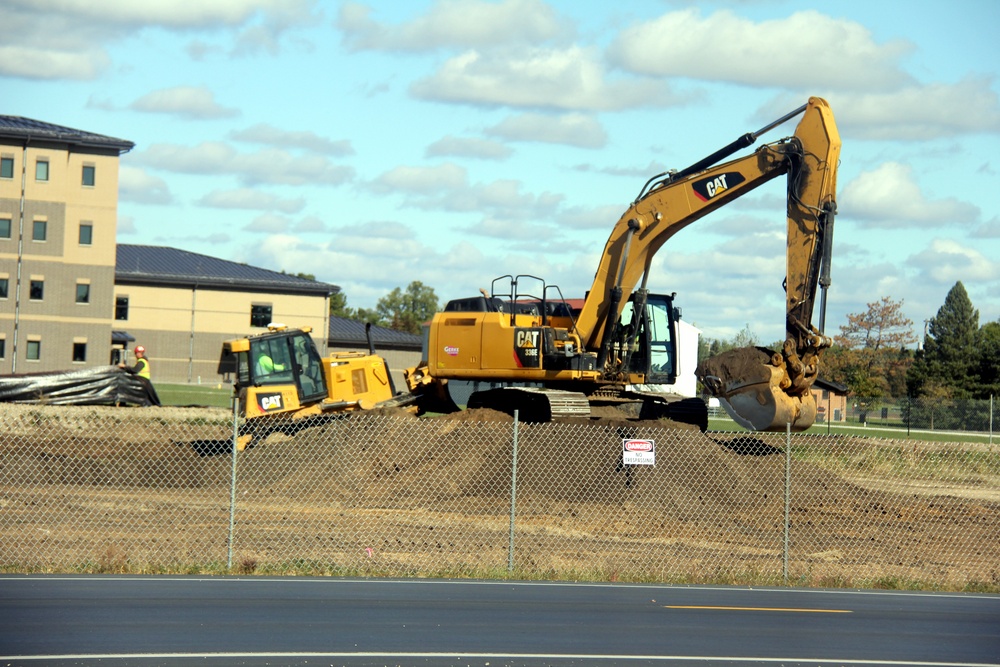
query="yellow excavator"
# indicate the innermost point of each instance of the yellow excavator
(282, 383)
(547, 361)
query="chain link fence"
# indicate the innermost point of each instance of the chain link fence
(162, 490)
(926, 414)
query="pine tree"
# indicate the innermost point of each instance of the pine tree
(988, 362)
(947, 362)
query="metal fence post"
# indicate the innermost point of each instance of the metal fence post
(232, 482)
(788, 497)
(513, 499)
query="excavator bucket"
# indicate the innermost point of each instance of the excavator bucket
(750, 384)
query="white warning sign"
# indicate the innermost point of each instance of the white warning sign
(637, 452)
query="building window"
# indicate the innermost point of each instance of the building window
(36, 292)
(34, 352)
(86, 233)
(83, 293)
(42, 170)
(260, 316)
(4, 287)
(79, 351)
(88, 175)
(121, 308)
(6, 167)
(3, 348)
(5, 227)
(39, 230)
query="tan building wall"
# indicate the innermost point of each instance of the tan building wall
(57, 324)
(830, 406)
(183, 329)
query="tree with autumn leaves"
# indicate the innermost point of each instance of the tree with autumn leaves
(870, 354)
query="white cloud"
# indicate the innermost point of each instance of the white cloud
(569, 129)
(889, 197)
(268, 135)
(167, 13)
(137, 185)
(251, 200)
(38, 63)
(989, 229)
(946, 262)
(126, 225)
(446, 188)
(540, 78)
(483, 149)
(421, 180)
(454, 24)
(382, 229)
(805, 50)
(309, 224)
(191, 102)
(68, 39)
(268, 223)
(269, 166)
(598, 217)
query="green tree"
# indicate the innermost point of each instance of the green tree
(407, 310)
(949, 358)
(306, 276)
(710, 347)
(988, 361)
(339, 307)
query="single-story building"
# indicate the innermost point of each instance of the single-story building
(831, 401)
(181, 306)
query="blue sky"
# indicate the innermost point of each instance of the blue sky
(377, 143)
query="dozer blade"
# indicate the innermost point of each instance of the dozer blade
(748, 382)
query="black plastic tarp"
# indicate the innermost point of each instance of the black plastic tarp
(106, 385)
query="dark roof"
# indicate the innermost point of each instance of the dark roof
(154, 265)
(352, 332)
(830, 385)
(21, 129)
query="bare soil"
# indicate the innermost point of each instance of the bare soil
(386, 491)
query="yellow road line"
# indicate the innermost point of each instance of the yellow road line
(806, 611)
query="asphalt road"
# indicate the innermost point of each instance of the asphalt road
(173, 620)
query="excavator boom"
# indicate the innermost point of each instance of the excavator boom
(761, 390)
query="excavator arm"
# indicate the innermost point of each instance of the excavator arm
(763, 390)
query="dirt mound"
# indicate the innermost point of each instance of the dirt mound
(111, 446)
(576, 460)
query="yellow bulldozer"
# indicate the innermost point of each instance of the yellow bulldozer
(282, 383)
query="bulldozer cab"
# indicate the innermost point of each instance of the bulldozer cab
(284, 358)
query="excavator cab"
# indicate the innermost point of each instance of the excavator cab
(644, 343)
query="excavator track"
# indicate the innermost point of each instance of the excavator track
(534, 404)
(637, 404)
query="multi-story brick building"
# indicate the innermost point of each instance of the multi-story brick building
(58, 222)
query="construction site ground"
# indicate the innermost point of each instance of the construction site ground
(386, 493)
